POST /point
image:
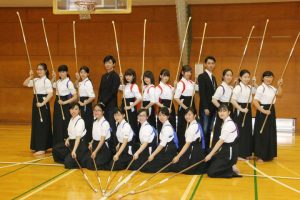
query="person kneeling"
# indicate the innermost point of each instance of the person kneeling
(225, 151)
(74, 146)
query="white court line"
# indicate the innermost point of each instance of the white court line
(286, 168)
(47, 184)
(278, 177)
(28, 163)
(20, 163)
(187, 190)
(272, 179)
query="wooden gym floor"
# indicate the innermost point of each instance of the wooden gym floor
(38, 181)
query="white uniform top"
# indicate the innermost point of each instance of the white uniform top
(192, 133)
(265, 94)
(229, 131)
(131, 91)
(184, 88)
(241, 93)
(124, 131)
(163, 91)
(149, 93)
(223, 92)
(101, 128)
(85, 88)
(42, 85)
(65, 87)
(76, 127)
(146, 133)
(166, 134)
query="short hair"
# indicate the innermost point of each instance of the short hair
(100, 105)
(85, 68)
(164, 111)
(119, 110)
(108, 58)
(143, 110)
(210, 58)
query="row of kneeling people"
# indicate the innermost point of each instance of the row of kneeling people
(157, 149)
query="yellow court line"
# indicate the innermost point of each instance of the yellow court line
(188, 189)
(47, 184)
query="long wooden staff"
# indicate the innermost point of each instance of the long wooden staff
(120, 69)
(282, 74)
(29, 62)
(97, 174)
(255, 69)
(241, 62)
(143, 62)
(75, 46)
(53, 72)
(180, 58)
(83, 173)
(200, 52)
(132, 192)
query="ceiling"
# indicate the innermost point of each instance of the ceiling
(48, 3)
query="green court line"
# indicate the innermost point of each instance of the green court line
(196, 187)
(35, 187)
(255, 183)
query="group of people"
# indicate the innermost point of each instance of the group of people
(146, 129)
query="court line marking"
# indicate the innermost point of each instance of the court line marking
(44, 184)
(255, 183)
(276, 181)
(286, 168)
(277, 177)
(187, 190)
(28, 163)
(196, 187)
(37, 160)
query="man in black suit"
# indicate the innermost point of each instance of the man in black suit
(108, 92)
(207, 85)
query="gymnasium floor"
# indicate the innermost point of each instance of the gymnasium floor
(18, 181)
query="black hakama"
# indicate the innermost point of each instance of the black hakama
(88, 117)
(104, 156)
(246, 140)
(41, 132)
(62, 154)
(124, 158)
(163, 158)
(172, 117)
(60, 126)
(218, 124)
(152, 116)
(221, 163)
(143, 157)
(181, 123)
(132, 116)
(265, 143)
(194, 154)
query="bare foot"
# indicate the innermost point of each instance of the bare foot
(38, 153)
(235, 169)
(32, 151)
(241, 159)
(259, 160)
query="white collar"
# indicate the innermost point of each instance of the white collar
(76, 118)
(208, 72)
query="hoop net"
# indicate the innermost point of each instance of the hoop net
(85, 7)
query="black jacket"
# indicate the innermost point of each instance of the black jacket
(206, 91)
(108, 89)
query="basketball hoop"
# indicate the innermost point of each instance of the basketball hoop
(85, 7)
